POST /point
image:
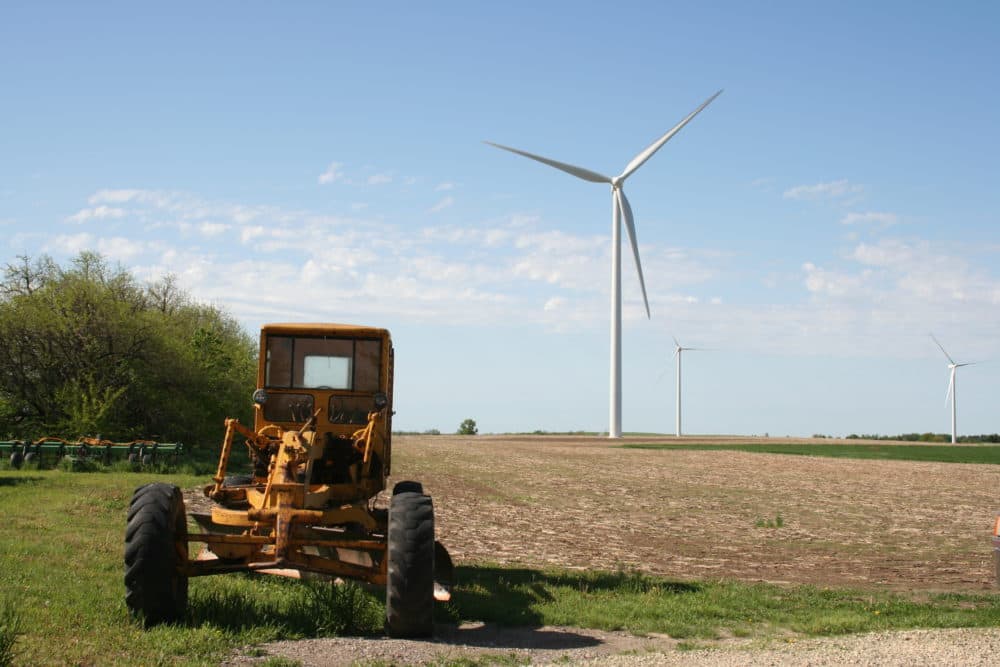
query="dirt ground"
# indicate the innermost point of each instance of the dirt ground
(584, 502)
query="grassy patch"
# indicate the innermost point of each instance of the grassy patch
(940, 453)
(701, 610)
(62, 546)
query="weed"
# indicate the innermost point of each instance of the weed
(10, 628)
(777, 522)
(277, 661)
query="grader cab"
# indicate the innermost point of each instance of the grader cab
(320, 449)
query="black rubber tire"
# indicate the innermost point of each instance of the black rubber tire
(30, 457)
(406, 486)
(16, 459)
(409, 588)
(155, 551)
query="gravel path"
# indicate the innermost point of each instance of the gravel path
(548, 645)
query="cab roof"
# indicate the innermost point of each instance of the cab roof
(323, 328)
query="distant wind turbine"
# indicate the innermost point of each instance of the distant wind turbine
(620, 208)
(952, 366)
(678, 350)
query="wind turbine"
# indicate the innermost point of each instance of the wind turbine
(678, 350)
(620, 208)
(952, 366)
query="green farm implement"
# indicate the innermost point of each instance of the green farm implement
(50, 450)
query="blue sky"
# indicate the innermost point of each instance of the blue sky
(324, 162)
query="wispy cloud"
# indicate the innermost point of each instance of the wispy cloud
(332, 174)
(870, 218)
(101, 212)
(818, 191)
(443, 187)
(379, 179)
(442, 205)
(518, 268)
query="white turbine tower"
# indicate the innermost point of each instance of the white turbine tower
(620, 208)
(952, 367)
(678, 350)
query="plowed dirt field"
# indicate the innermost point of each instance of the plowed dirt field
(585, 502)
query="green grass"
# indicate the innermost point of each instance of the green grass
(941, 453)
(62, 548)
(701, 610)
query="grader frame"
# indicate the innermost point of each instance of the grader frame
(321, 452)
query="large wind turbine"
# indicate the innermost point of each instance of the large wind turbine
(952, 366)
(620, 208)
(678, 350)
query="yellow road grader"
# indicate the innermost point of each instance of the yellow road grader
(320, 449)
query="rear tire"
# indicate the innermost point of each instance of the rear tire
(156, 552)
(409, 589)
(16, 459)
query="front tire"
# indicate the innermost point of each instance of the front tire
(409, 589)
(156, 553)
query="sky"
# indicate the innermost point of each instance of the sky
(326, 162)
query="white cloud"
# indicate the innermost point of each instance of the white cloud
(120, 248)
(250, 233)
(518, 268)
(555, 303)
(830, 283)
(442, 205)
(831, 190)
(379, 179)
(70, 244)
(332, 174)
(212, 228)
(870, 218)
(444, 187)
(114, 196)
(101, 212)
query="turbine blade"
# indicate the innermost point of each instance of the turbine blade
(676, 342)
(942, 349)
(626, 210)
(579, 172)
(951, 386)
(641, 158)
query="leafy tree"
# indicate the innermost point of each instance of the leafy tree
(468, 427)
(88, 349)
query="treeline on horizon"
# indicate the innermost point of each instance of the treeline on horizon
(87, 349)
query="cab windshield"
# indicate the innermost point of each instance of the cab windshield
(311, 362)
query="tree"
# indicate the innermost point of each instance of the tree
(468, 427)
(88, 349)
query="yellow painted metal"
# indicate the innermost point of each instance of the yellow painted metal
(288, 521)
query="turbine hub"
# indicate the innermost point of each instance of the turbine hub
(616, 182)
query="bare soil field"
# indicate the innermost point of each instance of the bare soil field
(584, 502)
